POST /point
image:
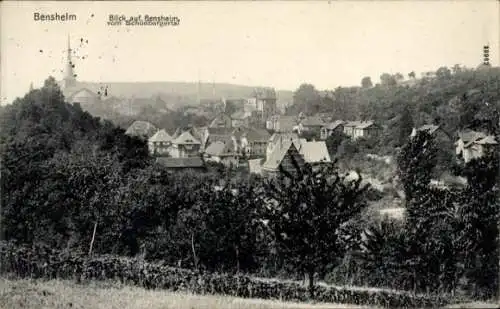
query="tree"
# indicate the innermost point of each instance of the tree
(305, 210)
(478, 229)
(399, 77)
(306, 98)
(412, 75)
(406, 125)
(387, 79)
(366, 82)
(443, 73)
(416, 162)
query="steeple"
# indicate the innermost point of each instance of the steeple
(31, 87)
(69, 79)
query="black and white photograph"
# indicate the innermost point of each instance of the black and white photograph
(250, 154)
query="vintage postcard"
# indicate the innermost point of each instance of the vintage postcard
(249, 154)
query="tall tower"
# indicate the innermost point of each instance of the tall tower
(69, 79)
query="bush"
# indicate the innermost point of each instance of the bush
(47, 263)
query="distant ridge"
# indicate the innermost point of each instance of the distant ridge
(186, 93)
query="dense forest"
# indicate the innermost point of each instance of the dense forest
(78, 183)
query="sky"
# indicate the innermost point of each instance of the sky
(281, 44)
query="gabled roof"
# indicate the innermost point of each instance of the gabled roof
(430, 128)
(315, 152)
(141, 128)
(277, 156)
(313, 121)
(161, 136)
(488, 140)
(334, 125)
(281, 137)
(186, 138)
(83, 93)
(192, 162)
(470, 136)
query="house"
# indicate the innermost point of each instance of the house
(192, 163)
(472, 144)
(142, 129)
(312, 124)
(330, 128)
(357, 129)
(225, 152)
(315, 152)
(85, 97)
(278, 139)
(254, 142)
(263, 101)
(283, 156)
(434, 130)
(211, 135)
(280, 123)
(185, 145)
(221, 121)
(159, 144)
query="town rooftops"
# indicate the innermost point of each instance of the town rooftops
(161, 136)
(191, 162)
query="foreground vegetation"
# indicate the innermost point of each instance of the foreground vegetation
(46, 263)
(59, 294)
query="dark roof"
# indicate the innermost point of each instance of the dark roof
(192, 162)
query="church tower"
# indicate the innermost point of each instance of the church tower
(69, 79)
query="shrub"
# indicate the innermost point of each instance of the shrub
(46, 263)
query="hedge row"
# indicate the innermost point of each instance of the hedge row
(47, 263)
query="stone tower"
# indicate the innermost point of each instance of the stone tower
(69, 79)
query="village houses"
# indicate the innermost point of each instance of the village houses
(472, 144)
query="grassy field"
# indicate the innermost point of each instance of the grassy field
(57, 294)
